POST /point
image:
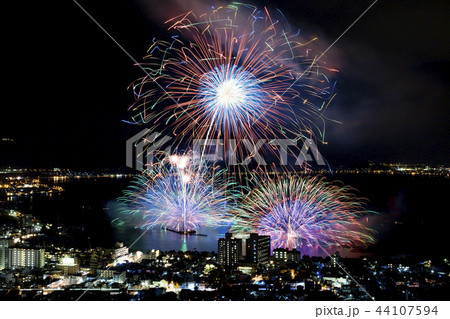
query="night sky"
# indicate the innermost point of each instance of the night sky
(66, 93)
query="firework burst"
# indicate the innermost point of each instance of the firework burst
(181, 193)
(232, 73)
(296, 211)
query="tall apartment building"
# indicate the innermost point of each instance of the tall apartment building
(5, 243)
(25, 257)
(229, 250)
(257, 249)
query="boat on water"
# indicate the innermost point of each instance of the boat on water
(185, 232)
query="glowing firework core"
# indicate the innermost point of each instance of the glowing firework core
(230, 92)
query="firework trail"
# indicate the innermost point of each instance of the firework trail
(296, 211)
(181, 193)
(233, 73)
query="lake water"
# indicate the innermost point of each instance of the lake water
(411, 217)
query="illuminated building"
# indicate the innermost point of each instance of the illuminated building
(335, 259)
(294, 256)
(280, 255)
(258, 249)
(107, 273)
(336, 282)
(114, 274)
(153, 254)
(119, 277)
(25, 258)
(4, 244)
(247, 269)
(229, 250)
(68, 265)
